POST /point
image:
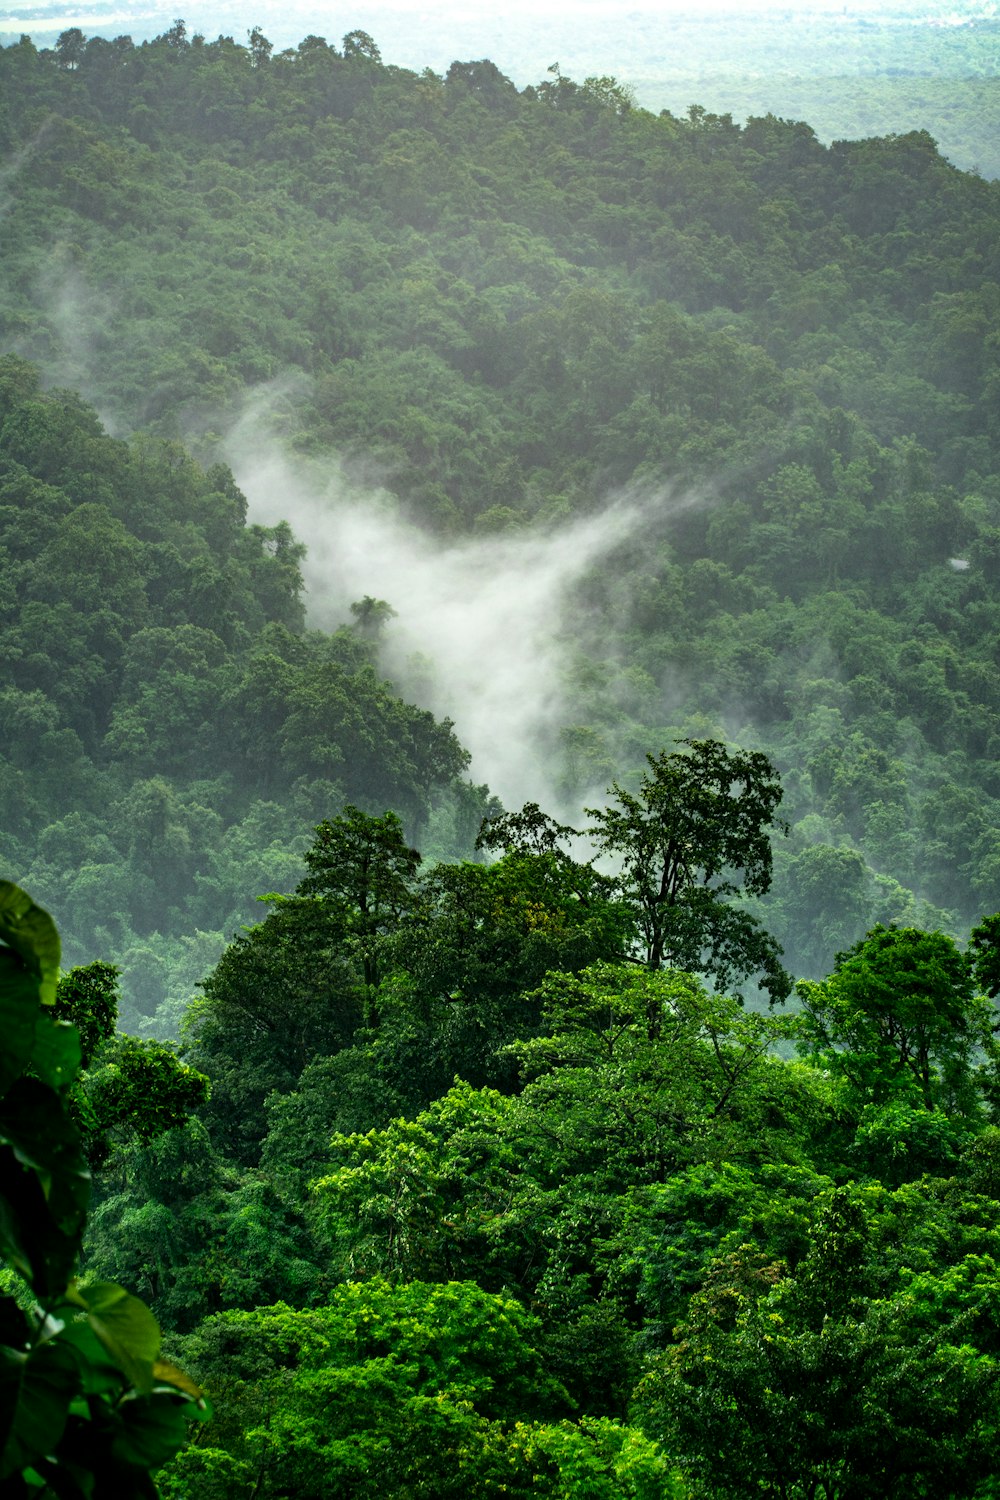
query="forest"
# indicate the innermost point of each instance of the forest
(638, 1141)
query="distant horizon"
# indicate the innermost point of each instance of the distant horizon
(145, 21)
(848, 68)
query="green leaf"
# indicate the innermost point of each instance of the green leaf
(153, 1428)
(31, 932)
(99, 1373)
(44, 1186)
(126, 1328)
(18, 1015)
(35, 1390)
(55, 1056)
(164, 1373)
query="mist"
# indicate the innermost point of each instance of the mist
(483, 631)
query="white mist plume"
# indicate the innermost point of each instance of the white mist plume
(78, 314)
(479, 633)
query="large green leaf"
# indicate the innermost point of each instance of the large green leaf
(35, 1391)
(100, 1375)
(18, 1015)
(31, 932)
(153, 1428)
(126, 1328)
(55, 1056)
(35, 1123)
(44, 1186)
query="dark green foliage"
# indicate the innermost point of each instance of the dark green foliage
(161, 704)
(695, 837)
(703, 817)
(984, 950)
(137, 1089)
(88, 997)
(409, 979)
(86, 1404)
(516, 1198)
(282, 994)
(363, 874)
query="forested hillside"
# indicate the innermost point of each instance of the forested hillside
(170, 729)
(486, 1167)
(511, 306)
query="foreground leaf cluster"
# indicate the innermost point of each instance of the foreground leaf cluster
(87, 1406)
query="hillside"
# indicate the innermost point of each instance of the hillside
(510, 307)
(491, 1160)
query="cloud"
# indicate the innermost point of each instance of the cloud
(484, 627)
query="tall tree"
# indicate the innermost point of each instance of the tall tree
(697, 834)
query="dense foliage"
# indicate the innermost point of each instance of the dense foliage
(87, 1407)
(511, 303)
(633, 1247)
(487, 1172)
(167, 720)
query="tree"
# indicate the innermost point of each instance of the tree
(817, 1386)
(697, 835)
(129, 1089)
(283, 993)
(637, 1073)
(260, 47)
(363, 871)
(300, 985)
(70, 48)
(984, 952)
(899, 1016)
(88, 997)
(358, 44)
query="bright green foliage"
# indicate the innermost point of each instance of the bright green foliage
(638, 1074)
(898, 1017)
(837, 1379)
(901, 1139)
(88, 997)
(598, 1459)
(385, 1389)
(398, 1200)
(86, 1405)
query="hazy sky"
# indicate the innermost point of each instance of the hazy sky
(300, 17)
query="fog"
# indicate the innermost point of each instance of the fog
(483, 631)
